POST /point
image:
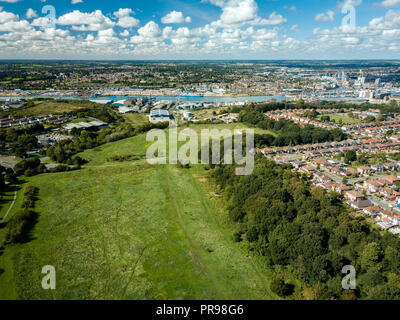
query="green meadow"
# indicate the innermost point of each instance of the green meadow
(53, 107)
(341, 117)
(129, 230)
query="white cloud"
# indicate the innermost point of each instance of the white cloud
(30, 13)
(125, 20)
(325, 17)
(242, 12)
(236, 12)
(81, 21)
(291, 8)
(7, 17)
(353, 3)
(151, 32)
(76, 1)
(240, 32)
(175, 17)
(390, 3)
(125, 33)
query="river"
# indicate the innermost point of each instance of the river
(168, 98)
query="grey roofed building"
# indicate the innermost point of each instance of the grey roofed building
(361, 204)
(86, 125)
(159, 115)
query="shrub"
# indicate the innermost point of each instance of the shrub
(281, 288)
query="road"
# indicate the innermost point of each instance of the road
(11, 206)
(379, 202)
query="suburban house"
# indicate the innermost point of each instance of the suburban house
(361, 204)
(373, 186)
(392, 180)
(329, 185)
(350, 172)
(372, 211)
(389, 217)
(389, 194)
(354, 195)
(321, 178)
(336, 170)
(341, 188)
(378, 168)
(322, 162)
(359, 186)
(394, 166)
(307, 169)
(364, 170)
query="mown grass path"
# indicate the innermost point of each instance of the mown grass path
(11, 206)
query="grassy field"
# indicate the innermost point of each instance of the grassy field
(136, 119)
(230, 126)
(128, 230)
(52, 107)
(345, 119)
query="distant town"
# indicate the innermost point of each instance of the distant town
(338, 81)
(74, 174)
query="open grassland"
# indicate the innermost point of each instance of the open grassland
(229, 126)
(136, 119)
(128, 230)
(53, 107)
(344, 118)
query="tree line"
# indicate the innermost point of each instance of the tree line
(309, 234)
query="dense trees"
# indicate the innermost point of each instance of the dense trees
(309, 232)
(281, 288)
(20, 140)
(350, 156)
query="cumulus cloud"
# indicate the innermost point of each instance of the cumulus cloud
(325, 17)
(125, 33)
(241, 12)
(151, 32)
(81, 21)
(125, 20)
(175, 17)
(353, 3)
(390, 3)
(239, 31)
(30, 13)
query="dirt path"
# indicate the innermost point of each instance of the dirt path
(11, 206)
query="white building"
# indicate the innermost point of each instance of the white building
(159, 115)
(187, 115)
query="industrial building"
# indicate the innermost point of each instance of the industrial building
(159, 115)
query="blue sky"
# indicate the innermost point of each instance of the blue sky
(200, 29)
